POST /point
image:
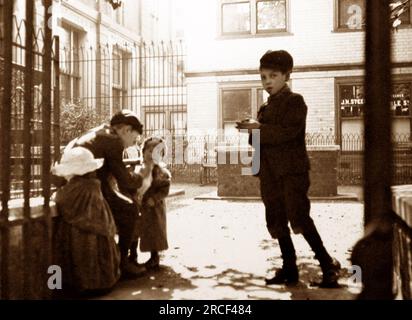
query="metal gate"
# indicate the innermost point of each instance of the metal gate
(29, 141)
(147, 78)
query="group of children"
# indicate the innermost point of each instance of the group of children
(85, 246)
(284, 182)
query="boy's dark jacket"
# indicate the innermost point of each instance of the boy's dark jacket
(282, 134)
(104, 143)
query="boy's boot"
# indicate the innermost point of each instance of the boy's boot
(153, 262)
(129, 270)
(330, 266)
(289, 273)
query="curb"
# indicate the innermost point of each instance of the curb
(176, 192)
(342, 197)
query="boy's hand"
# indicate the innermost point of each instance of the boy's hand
(248, 124)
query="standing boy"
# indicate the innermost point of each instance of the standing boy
(284, 169)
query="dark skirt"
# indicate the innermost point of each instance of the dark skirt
(153, 228)
(85, 246)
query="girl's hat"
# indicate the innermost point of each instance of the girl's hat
(161, 152)
(153, 141)
(77, 162)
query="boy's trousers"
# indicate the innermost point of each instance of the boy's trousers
(285, 199)
(125, 216)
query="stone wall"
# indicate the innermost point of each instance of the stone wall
(324, 170)
(323, 175)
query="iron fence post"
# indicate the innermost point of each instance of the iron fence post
(46, 138)
(6, 145)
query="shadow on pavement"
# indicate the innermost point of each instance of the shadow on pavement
(254, 287)
(166, 284)
(156, 285)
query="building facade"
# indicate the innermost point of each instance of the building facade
(326, 39)
(101, 50)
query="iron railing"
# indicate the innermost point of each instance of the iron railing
(29, 141)
(200, 155)
(146, 78)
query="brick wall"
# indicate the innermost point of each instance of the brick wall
(319, 95)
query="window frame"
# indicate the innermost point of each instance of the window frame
(159, 113)
(253, 86)
(222, 3)
(167, 114)
(337, 28)
(254, 31)
(271, 31)
(359, 80)
(178, 131)
(74, 74)
(121, 88)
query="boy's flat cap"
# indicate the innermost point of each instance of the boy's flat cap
(278, 60)
(129, 118)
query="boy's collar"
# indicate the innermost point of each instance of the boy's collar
(282, 91)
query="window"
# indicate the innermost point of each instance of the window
(163, 69)
(178, 122)
(271, 15)
(154, 122)
(236, 105)
(38, 15)
(253, 17)
(119, 81)
(351, 100)
(351, 15)
(406, 16)
(240, 103)
(158, 119)
(401, 99)
(70, 65)
(236, 17)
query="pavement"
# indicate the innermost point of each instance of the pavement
(222, 250)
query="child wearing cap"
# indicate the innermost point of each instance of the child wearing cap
(284, 169)
(85, 246)
(152, 227)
